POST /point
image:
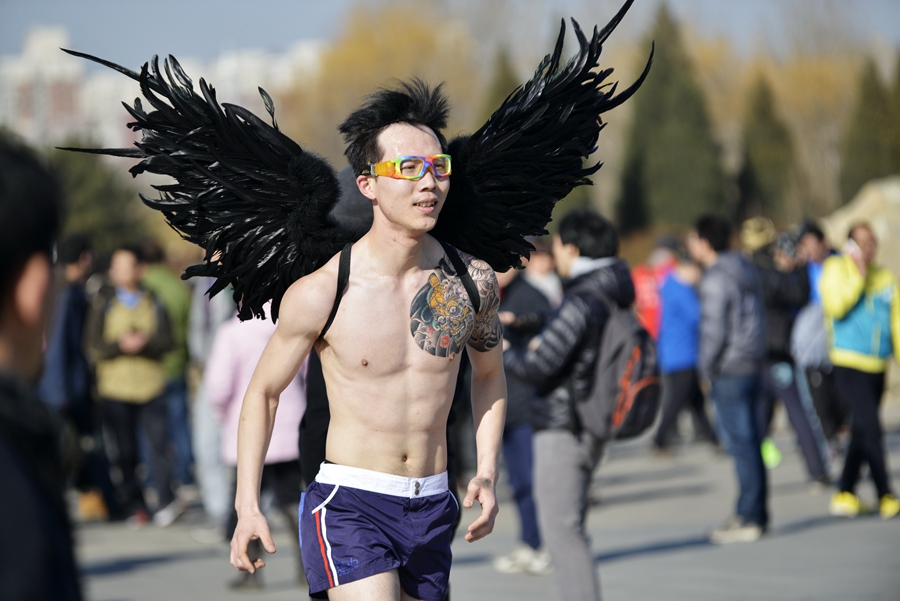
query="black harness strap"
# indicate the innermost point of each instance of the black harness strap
(463, 273)
(342, 280)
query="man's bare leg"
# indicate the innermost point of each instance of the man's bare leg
(380, 587)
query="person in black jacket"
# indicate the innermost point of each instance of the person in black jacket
(36, 560)
(785, 287)
(560, 362)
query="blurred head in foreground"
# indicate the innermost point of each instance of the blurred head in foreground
(30, 202)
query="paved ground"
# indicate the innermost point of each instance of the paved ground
(648, 528)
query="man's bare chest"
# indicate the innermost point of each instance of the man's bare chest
(423, 318)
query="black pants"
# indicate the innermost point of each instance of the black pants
(829, 406)
(862, 393)
(123, 420)
(681, 389)
(94, 471)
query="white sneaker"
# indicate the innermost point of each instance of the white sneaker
(516, 561)
(735, 530)
(541, 564)
(168, 514)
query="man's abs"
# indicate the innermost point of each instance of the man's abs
(389, 429)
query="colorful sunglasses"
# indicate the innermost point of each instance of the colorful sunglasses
(411, 167)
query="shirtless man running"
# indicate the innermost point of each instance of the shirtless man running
(376, 523)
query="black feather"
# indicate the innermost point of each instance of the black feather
(246, 193)
(509, 174)
(270, 106)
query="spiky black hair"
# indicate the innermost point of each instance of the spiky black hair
(412, 102)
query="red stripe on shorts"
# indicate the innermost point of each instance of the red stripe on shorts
(322, 549)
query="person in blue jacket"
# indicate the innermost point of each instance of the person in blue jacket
(677, 346)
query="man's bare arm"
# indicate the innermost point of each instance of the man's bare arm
(301, 320)
(488, 400)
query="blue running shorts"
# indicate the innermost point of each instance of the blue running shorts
(356, 523)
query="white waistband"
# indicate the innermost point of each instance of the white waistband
(387, 484)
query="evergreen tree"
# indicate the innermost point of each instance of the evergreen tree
(502, 85)
(673, 170)
(868, 149)
(768, 158)
(631, 209)
(98, 203)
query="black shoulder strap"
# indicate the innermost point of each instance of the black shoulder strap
(600, 295)
(464, 275)
(342, 280)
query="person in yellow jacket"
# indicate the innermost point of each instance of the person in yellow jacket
(861, 302)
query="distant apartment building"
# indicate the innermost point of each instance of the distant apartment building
(39, 89)
(48, 96)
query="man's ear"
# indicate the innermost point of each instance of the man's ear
(364, 183)
(31, 289)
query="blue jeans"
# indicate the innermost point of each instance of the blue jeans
(736, 398)
(518, 454)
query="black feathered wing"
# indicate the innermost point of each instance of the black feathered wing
(249, 195)
(509, 174)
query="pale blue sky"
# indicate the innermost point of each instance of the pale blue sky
(130, 31)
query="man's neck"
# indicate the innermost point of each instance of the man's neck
(582, 265)
(13, 360)
(7, 356)
(390, 251)
(711, 259)
(74, 274)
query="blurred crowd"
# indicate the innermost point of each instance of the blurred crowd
(150, 373)
(744, 320)
(826, 320)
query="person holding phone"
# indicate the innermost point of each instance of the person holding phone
(861, 301)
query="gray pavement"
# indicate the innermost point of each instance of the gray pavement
(648, 527)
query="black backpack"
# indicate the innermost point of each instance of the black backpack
(624, 398)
